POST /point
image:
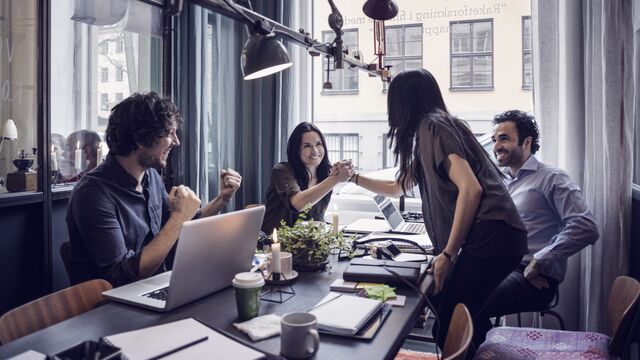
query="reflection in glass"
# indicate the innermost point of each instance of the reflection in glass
(95, 67)
(18, 102)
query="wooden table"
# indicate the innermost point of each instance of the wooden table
(219, 310)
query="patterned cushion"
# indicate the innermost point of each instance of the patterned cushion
(529, 343)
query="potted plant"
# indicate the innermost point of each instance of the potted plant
(310, 242)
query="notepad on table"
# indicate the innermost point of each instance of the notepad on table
(153, 341)
(342, 314)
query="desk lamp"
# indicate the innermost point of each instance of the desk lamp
(9, 132)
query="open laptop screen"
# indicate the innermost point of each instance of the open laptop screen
(389, 211)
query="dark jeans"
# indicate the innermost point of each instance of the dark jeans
(515, 295)
(471, 282)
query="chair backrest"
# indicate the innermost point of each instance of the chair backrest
(622, 304)
(51, 309)
(65, 255)
(459, 334)
(249, 206)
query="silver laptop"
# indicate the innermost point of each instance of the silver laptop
(209, 253)
(393, 220)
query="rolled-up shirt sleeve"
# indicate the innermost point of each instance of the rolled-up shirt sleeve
(285, 184)
(97, 222)
(578, 228)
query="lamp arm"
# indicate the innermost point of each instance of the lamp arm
(300, 37)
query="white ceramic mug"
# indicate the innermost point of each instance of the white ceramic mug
(286, 265)
(299, 335)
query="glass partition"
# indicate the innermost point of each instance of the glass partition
(101, 52)
(18, 91)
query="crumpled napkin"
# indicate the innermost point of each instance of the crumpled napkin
(260, 327)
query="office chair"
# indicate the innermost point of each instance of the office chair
(456, 344)
(51, 309)
(505, 342)
(546, 311)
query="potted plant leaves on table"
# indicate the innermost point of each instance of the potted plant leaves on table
(310, 242)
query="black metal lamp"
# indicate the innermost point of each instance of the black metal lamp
(263, 54)
(380, 9)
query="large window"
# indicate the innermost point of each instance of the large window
(472, 54)
(343, 146)
(404, 48)
(474, 51)
(340, 80)
(527, 61)
(82, 55)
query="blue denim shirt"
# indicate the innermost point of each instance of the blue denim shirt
(558, 220)
(110, 222)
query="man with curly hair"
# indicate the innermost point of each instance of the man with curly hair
(558, 220)
(122, 222)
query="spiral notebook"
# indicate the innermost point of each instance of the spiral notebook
(342, 314)
(182, 339)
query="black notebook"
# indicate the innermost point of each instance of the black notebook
(342, 314)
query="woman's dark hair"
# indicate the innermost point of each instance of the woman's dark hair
(293, 155)
(140, 119)
(412, 95)
(526, 125)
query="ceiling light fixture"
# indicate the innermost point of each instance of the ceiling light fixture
(380, 9)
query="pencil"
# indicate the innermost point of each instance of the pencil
(179, 348)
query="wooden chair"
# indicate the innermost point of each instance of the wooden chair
(51, 309)
(504, 342)
(456, 344)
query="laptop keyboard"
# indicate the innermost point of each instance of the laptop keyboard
(416, 228)
(160, 294)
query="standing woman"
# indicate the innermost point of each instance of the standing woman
(469, 215)
(306, 178)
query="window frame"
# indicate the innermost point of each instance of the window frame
(470, 56)
(341, 137)
(525, 52)
(341, 91)
(404, 57)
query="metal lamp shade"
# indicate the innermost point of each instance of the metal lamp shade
(380, 9)
(262, 56)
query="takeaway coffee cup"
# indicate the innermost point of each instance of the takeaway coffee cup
(299, 335)
(247, 287)
(285, 264)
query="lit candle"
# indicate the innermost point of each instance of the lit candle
(78, 158)
(275, 253)
(336, 218)
(99, 154)
(54, 158)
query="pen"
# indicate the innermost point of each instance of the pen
(326, 302)
(179, 348)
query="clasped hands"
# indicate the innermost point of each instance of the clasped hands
(343, 170)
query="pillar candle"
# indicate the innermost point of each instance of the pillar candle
(275, 253)
(54, 159)
(336, 219)
(78, 157)
(99, 154)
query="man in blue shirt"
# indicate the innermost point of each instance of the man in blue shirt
(557, 218)
(122, 222)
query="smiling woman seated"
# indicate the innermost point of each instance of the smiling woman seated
(306, 178)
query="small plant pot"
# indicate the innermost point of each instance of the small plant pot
(306, 266)
(302, 262)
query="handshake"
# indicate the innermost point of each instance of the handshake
(343, 170)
